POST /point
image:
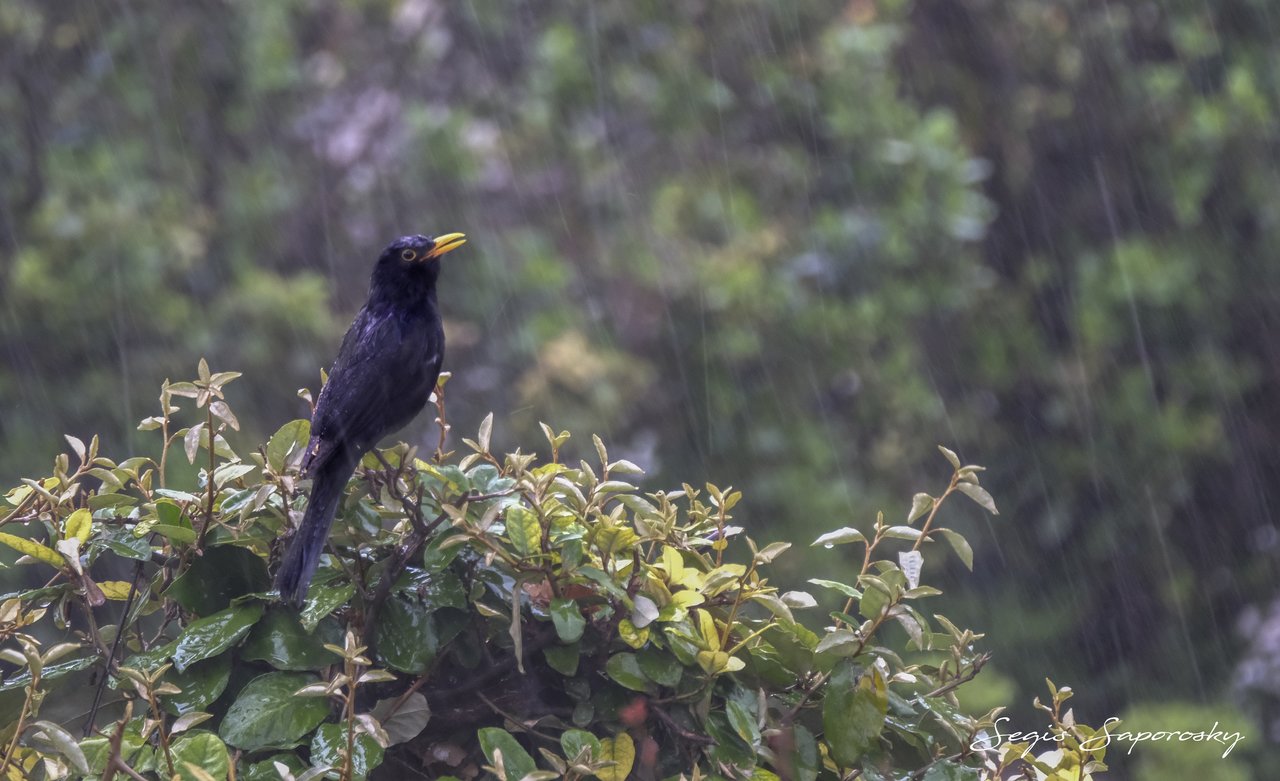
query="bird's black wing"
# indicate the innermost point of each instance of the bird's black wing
(358, 404)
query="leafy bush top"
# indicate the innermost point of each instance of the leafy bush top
(512, 615)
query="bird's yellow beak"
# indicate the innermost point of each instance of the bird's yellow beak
(446, 243)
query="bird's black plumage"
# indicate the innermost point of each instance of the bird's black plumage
(383, 376)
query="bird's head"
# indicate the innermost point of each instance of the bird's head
(412, 262)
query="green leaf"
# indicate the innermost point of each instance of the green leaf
(775, 606)
(61, 741)
(920, 504)
(408, 721)
(515, 760)
(840, 537)
(951, 771)
(179, 534)
(625, 669)
(266, 770)
(960, 545)
(771, 551)
(743, 723)
(201, 684)
(486, 430)
(204, 750)
(873, 603)
(804, 757)
(950, 456)
(567, 617)
(660, 667)
(49, 673)
(902, 533)
(435, 557)
(222, 574)
(207, 637)
(573, 741)
(405, 636)
(563, 658)
(280, 640)
(266, 714)
(843, 588)
(287, 443)
(322, 600)
(979, 494)
(123, 543)
(841, 642)
(523, 530)
(853, 712)
(330, 743)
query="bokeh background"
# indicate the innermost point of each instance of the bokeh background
(784, 246)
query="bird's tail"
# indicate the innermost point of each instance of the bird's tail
(302, 557)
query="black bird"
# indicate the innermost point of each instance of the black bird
(383, 376)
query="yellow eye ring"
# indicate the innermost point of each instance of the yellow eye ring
(408, 254)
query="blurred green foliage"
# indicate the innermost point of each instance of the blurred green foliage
(776, 245)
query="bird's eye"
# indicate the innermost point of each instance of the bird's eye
(408, 254)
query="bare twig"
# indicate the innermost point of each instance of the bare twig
(681, 732)
(111, 654)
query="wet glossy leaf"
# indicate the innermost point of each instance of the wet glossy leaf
(843, 588)
(515, 759)
(743, 723)
(60, 741)
(841, 537)
(979, 494)
(266, 714)
(950, 455)
(805, 758)
(280, 640)
(568, 620)
(407, 721)
(207, 637)
(287, 443)
(222, 574)
(960, 545)
(853, 712)
(405, 635)
(660, 666)
(841, 642)
(123, 543)
(330, 743)
(523, 530)
(625, 669)
(203, 749)
(322, 600)
(920, 504)
(201, 684)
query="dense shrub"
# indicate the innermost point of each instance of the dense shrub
(512, 614)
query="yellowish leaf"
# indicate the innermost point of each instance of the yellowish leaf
(621, 751)
(79, 524)
(33, 549)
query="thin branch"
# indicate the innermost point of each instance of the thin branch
(955, 683)
(115, 646)
(681, 732)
